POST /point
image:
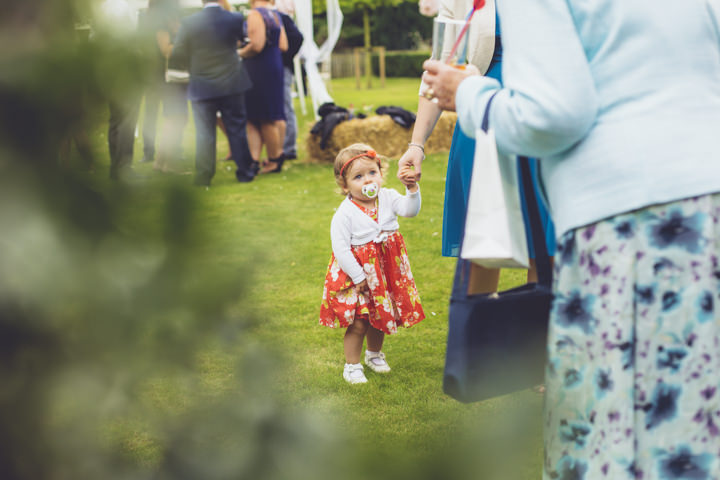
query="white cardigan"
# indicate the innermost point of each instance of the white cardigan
(351, 226)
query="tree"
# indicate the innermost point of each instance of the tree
(365, 6)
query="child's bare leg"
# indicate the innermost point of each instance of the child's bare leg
(353, 341)
(375, 339)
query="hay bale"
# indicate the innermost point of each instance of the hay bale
(382, 133)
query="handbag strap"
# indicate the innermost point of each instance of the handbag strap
(486, 115)
(537, 230)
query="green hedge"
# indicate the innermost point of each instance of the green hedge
(401, 63)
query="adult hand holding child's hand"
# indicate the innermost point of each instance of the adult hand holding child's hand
(411, 160)
(408, 176)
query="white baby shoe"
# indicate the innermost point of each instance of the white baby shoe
(376, 362)
(353, 373)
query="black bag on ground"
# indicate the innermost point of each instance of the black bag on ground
(497, 342)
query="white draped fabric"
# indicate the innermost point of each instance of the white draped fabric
(311, 53)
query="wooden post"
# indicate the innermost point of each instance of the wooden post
(356, 54)
(381, 51)
(368, 47)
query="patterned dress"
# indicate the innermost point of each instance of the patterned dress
(633, 378)
(393, 299)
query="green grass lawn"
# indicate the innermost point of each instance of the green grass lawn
(277, 228)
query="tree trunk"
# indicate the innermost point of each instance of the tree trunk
(368, 47)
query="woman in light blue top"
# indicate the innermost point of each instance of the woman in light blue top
(621, 101)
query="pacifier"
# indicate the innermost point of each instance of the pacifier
(370, 190)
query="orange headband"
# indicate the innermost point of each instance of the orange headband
(369, 153)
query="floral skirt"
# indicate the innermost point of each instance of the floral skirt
(393, 299)
(634, 347)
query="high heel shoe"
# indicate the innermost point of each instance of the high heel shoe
(274, 165)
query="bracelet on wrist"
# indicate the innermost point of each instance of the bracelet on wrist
(418, 145)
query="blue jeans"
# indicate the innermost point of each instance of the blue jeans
(289, 146)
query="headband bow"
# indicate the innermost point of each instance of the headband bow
(369, 153)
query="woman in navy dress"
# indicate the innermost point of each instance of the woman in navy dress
(265, 100)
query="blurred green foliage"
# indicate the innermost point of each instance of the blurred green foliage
(103, 297)
(395, 26)
(109, 308)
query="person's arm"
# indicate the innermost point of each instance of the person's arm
(427, 116)
(549, 102)
(407, 205)
(256, 35)
(179, 52)
(283, 39)
(294, 36)
(340, 235)
(162, 37)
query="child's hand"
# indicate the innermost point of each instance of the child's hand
(362, 288)
(408, 177)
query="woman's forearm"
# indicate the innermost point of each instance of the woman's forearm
(427, 116)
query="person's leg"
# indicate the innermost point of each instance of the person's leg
(121, 135)
(374, 357)
(234, 117)
(353, 340)
(290, 136)
(113, 126)
(271, 133)
(221, 126)
(482, 279)
(174, 121)
(375, 339)
(255, 142)
(150, 115)
(205, 118)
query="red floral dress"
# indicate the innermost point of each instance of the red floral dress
(393, 299)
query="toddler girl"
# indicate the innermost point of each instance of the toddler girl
(369, 287)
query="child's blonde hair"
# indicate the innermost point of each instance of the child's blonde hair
(359, 150)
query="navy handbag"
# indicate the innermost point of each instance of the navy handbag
(497, 342)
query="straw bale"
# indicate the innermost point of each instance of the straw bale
(382, 133)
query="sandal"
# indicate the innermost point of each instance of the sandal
(273, 165)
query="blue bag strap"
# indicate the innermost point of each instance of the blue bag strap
(537, 230)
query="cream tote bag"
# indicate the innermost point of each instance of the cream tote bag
(494, 227)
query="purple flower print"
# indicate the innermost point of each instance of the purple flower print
(682, 464)
(575, 310)
(565, 250)
(574, 433)
(570, 469)
(625, 229)
(706, 307)
(663, 406)
(670, 358)
(679, 231)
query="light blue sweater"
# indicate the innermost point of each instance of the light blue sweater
(619, 98)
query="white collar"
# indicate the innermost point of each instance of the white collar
(211, 4)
